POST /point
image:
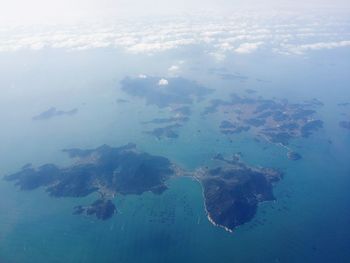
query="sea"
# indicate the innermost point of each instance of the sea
(308, 222)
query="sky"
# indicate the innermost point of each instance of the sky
(67, 11)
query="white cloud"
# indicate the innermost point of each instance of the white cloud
(218, 55)
(301, 49)
(247, 48)
(142, 76)
(163, 82)
(173, 68)
(159, 45)
(225, 47)
(218, 36)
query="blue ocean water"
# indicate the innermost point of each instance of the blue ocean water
(308, 222)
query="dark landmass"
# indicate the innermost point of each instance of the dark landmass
(345, 124)
(227, 127)
(233, 190)
(293, 156)
(176, 91)
(165, 132)
(106, 170)
(176, 94)
(53, 112)
(172, 124)
(167, 120)
(278, 121)
(215, 104)
(103, 209)
(310, 127)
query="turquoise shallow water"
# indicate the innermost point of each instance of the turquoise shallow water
(308, 222)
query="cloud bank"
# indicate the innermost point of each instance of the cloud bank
(241, 34)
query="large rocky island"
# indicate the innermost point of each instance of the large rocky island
(106, 170)
(232, 191)
(175, 95)
(274, 120)
(278, 121)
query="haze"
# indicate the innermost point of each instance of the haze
(65, 11)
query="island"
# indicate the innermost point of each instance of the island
(106, 170)
(169, 125)
(101, 208)
(164, 92)
(176, 95)
(294, 156)
(168, 131)
(53, 112)
(277, 121)
(232, 190)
